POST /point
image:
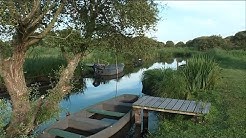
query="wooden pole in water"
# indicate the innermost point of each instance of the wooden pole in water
(137, 113)
(145, 121)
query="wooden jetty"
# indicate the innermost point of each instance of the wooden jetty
(168, 105)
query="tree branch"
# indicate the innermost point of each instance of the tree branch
(45, 32)
(36, 5)
(12, 10)
(39, 18)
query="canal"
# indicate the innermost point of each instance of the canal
(127, 84)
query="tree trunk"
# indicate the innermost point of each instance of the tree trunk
(62, 88)
(13, 76)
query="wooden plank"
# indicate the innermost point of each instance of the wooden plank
(88, 124)
(137, 115)
(171, 104)
(153, 101)
(140, 100)
(178, 105)
(191, 107)
(64, 134)
(146, 101)
(184, 106)
(199, 108)
(164, 104)
(158, 102)
(105, 112)
(171, 111)
(206, 109)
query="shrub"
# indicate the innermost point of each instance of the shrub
(200, 73)
(164, 83)
(169, 44)
(208, 42)
(180, 44)
(239, 40)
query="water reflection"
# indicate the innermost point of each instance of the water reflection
(128, 84)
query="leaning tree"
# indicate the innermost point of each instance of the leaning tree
(25, 23)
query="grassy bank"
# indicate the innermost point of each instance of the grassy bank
(227, 117)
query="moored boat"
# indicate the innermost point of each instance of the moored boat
(103, 120)
(107, 70)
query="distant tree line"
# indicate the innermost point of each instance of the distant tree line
(238, 41)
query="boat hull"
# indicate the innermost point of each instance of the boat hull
(109, 69)
(93, 123)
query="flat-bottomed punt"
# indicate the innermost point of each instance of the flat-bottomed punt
(103, 120)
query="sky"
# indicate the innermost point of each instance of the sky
(186, 20)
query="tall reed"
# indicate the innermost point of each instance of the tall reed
(164, 83)
(201, 73)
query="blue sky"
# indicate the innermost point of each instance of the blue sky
(186, 20)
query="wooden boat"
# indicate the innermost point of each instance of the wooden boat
(99, 79)
(111, 69)
(103, 120)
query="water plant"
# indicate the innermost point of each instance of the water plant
(200, 73)
(164, 83)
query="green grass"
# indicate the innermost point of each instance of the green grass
(164, 83)
(227, 116)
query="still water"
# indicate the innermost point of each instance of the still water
(128, 84)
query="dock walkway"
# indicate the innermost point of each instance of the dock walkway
(168, 105)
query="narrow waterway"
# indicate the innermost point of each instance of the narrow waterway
(128, 84)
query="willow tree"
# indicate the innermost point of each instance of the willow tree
(25, 23)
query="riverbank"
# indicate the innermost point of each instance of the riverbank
(228, 113)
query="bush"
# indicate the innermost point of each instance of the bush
(169, 44)
(239, 40)
(164, 83)
(208, 42)
(180, 44)
(200, 73)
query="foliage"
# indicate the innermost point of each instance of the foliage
(42, 64)
(5, 112)
(180, 44)
(164, 83)
(170, 52)
(227, 114)
(208, 42)
(201, 73)
(124, 17)
(169, 44)
(239, 40)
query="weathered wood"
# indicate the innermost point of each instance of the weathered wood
(171, 104)
(145, 120)
(146, 101)
(178, 105)
(64, 134)
(164, 104)
(206, 109)
(105, 112)
(191, 107)
(88, 124)
(95, 125)
(199, 108)
(153, 101)
(159, 102)
(137, 114)
(140, 100)
(184, 106)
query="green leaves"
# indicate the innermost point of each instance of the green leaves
(164, 83)
(201, 73)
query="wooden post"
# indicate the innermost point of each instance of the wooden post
(137, 113)
(145, 121)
